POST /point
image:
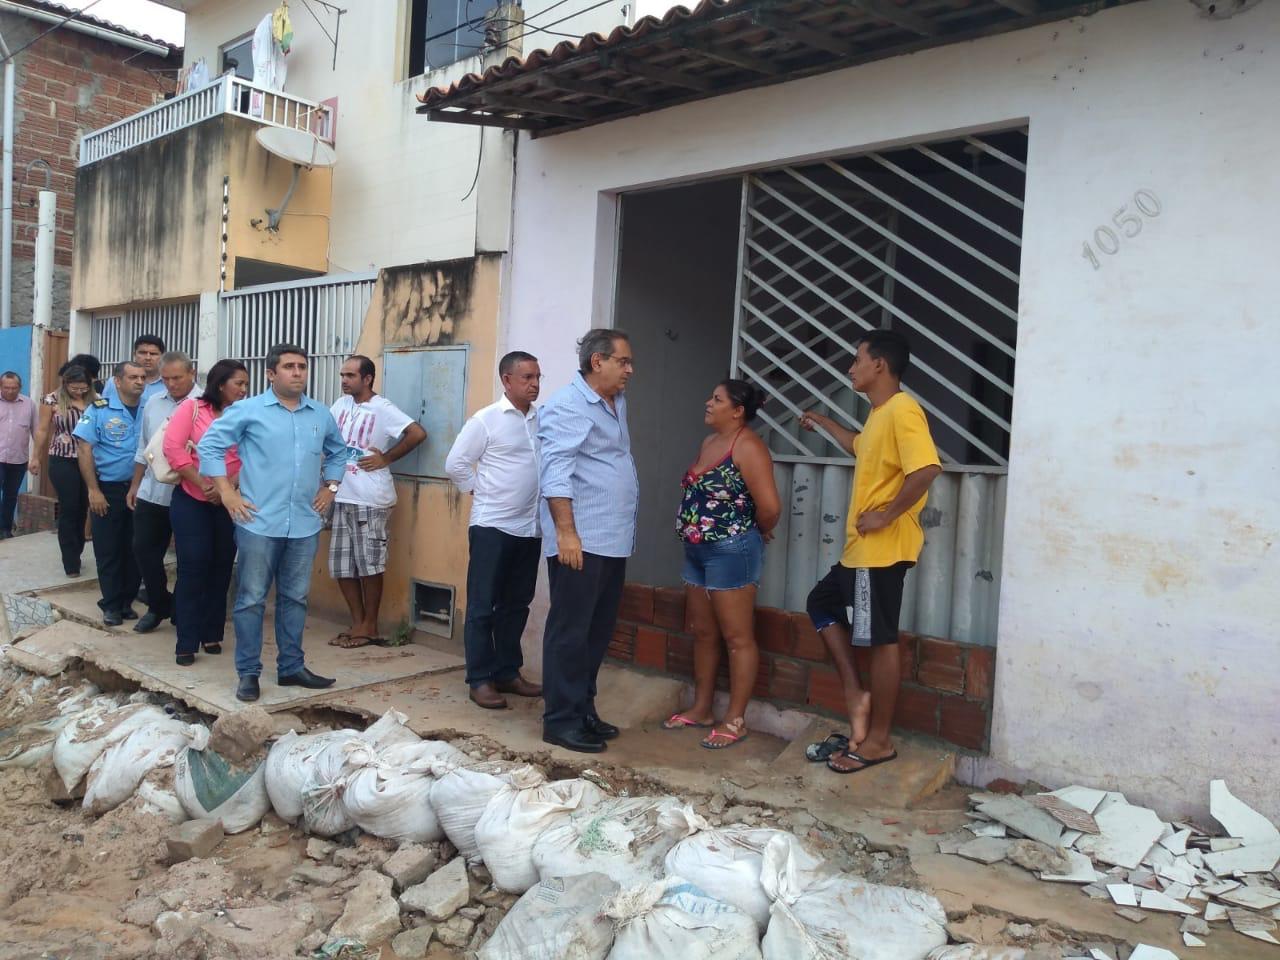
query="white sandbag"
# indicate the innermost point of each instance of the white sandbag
(625, 838)
(323, 812)
(100, 726)
(390, 797)
(525, 806)
(460, 795)
(557, 919)
(673, 918)
(977, 951)
(726, 864)
(157, 794)
(819, 913)
(287, 766)
(28, 745)
(210, 788)
(115, 775)
(389, 730)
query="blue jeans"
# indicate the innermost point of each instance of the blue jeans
(287, 562)
(729, 564)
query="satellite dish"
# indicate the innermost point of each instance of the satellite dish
(302, 149)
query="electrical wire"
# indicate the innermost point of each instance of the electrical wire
(553, 23)
(476, 179)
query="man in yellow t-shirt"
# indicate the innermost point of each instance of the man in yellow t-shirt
(858, 602)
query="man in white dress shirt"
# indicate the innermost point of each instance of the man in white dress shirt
(495, 458)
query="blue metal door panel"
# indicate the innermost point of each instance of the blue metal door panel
(431, 386)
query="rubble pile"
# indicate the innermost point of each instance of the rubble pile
(1124, 853)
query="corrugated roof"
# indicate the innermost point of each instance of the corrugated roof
(718, 47)
(64, 11)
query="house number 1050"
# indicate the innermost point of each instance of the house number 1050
(1128, 224)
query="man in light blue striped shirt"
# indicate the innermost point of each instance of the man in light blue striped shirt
(590, 496)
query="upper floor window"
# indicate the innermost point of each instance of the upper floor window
(237, 56)
(440, 34)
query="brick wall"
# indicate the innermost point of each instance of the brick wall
(36, 513)
(946, 686)
(68, 84)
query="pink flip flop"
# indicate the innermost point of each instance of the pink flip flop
(678, 721)
(734, 739)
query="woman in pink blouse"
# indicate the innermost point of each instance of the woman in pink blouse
(203, 534)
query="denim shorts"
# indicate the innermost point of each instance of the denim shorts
(725, 564)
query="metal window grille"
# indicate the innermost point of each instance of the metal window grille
(926, 240)
(324, 316)
(112, 333)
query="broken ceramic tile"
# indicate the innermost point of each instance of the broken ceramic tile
(1021, 815)
(1214, 911)
(1194, 925)
(1085, 798)
(977, 815)
(987, 829)
(948, 845)
(1110, 798)
(1127, 835)
(1195, 858)
(985, 849)
(1155, 900)
(1238, 818)
(1069, 838)
(1178, 891)
(1191, 940)
(1255, 858)
(1176, 843)
(1195, 893)
(1142, 877)
(1123, 894)
(1130, 914)
(1251, 897)
(1145, 951)
(1097, 953)
(1252, 925)
(1068, 814)
(1215, 888)
(1081, 870)
(1157, 857)
(1178, 871)
(1096, 891)
(1218, 844)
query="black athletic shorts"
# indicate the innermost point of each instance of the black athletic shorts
(867, 600)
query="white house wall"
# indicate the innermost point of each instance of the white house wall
(1141, 590)
(401, 184)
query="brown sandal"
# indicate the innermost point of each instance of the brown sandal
(351, 642)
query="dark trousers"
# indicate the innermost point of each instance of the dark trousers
(205, 540)
(501, 578)
(118, 576)
(73, 509)
(584, 609)
(151, 535)
(11, 475)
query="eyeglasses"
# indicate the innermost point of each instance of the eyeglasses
(625, 362)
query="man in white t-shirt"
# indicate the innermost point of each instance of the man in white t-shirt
(377, 434)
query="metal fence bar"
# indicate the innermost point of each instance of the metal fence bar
(971, 177)
(111, 333)
(952, 202)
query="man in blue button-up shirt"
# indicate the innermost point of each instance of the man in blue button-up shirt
(289, 446)
(108, 432)
(590, 494)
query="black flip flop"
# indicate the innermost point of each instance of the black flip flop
(820, 752)
(866, 764)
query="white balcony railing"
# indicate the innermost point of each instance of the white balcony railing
(227, 94)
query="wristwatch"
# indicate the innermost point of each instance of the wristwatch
(333, 487)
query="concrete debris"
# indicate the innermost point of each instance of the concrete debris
(239, 735)
(442, 894)
(318, 849)
(410, 865)
(456, 932)
(412, 944)
(318, 874)
(372, 913)
(193, 839)
(1040, 858)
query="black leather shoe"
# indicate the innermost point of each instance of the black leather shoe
(579, 741)
(247, 691)
(184, 659)
(305, 678)
(129, 613)
(601, 728)
(148, 622)
(111, 618)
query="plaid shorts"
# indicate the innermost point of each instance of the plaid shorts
(358, 542)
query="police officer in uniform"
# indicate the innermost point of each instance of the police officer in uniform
(108, 432)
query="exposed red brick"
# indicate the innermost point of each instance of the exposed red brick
(979, 673)
(826, 691)
(773, 630)
(806, 643)
(964, 722)
(944, 652)
(35, 513)
(760, 689)
(623, 644)
(1003, 786)
(679, 655)
(941, 677)
(637, 603)
(668, 608)
(789, 681)
(917, 709)
(651, 648)
(907, 647)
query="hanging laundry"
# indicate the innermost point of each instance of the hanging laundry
(282, 28)
(269, 67)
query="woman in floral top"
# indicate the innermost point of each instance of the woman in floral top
(727, 514)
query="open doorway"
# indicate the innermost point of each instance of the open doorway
(677, 274)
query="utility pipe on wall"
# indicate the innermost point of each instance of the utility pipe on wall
(42, 305)
(6, 220)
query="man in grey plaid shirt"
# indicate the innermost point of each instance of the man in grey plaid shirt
(377, 434)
